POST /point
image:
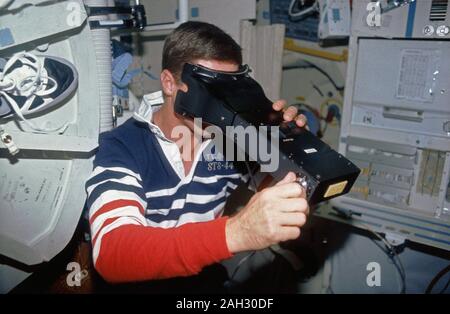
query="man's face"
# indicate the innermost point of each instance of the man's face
(225, 66)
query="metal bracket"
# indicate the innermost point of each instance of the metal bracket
(394, 239)
(7, 140)
(393, 4)
(137, 18)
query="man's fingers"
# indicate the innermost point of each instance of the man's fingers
(289, 233)
(295, 219)
(292, 205)
(279, 105)
(290, 114)
(303, 193)
(298, 205)
(288, 190)
(289, 178)
(301, 120)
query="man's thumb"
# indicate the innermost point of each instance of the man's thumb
(289, 178)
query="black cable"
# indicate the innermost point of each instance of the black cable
(436, 279)
(389, 251)
(317, 89)
(241, 262)
(247, 257)
(445, 287)
(310, 65)
(252, 178)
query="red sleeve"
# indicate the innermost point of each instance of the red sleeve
(137, 253)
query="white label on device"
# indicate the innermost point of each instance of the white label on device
(310, 150)
(418, 75)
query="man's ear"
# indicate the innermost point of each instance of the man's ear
(168, 83)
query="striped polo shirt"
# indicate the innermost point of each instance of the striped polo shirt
(139, 178)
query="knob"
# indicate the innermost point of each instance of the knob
(446, 128)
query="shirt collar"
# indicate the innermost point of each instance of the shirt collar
(149, 105)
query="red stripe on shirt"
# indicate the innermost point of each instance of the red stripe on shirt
(114, 205)
(105, 223)
(137, 253)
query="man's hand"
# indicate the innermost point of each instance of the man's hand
(290, 113)
(271, 216)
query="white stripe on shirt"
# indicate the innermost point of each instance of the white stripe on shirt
(126, 211)
(191, 199)
(127, 180)
(207, 180)
(119, 222)
(114, 195)
(100, 169)
(189, 217)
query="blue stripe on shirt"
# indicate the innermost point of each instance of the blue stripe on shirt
(133, 146)
(175, 214)
(106, 175)
(113, 186)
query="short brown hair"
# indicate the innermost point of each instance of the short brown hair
(198, 40)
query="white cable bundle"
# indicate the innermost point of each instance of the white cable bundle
(303, 13)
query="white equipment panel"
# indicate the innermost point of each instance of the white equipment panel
(42, 187)
(396, 126)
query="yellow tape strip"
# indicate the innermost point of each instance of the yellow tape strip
(289, 44)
